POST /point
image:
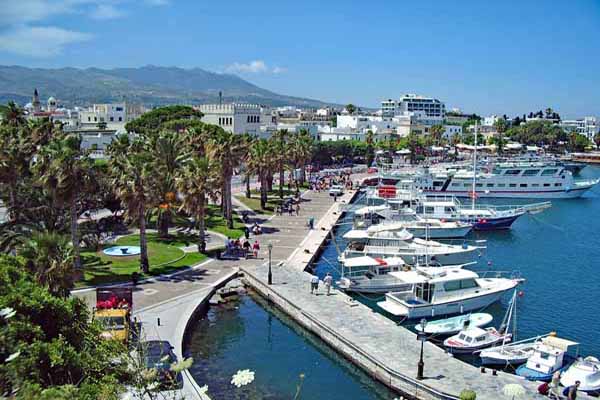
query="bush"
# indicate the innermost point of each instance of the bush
(468, 394)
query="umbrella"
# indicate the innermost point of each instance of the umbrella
(513, 390)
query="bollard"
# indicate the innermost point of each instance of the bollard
(158, 321)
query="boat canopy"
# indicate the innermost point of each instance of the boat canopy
(562, 344)
(434, 274)
(370, 210)
(397, 227)
(356, 234)
(474, 332)
(366, 261)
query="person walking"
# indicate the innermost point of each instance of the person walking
(314, 284)
(571, 391)
(246, 232)
(256, 248)
(334, 197)
(327, 281)
(297, 209)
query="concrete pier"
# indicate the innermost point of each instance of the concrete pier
(386, 351)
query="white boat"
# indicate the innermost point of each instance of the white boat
(371, 275)
(549, 356)
(450, 326)
(471, 339)
(382, 242)
(437, 292)
(586, 371)
(427, 228)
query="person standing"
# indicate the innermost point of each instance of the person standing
(314, 284)
(297, 209)
(571, 391)
(247, 232)
(327, 281)
(256, 248)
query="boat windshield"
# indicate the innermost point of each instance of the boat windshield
(425, 291)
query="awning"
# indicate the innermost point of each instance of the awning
(562, 344)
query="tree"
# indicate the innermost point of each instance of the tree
(229, 150)
(131, 172)
(64, 169)
(597, 140)
(437, 132)
(197, 183)
(301, 149)
(260, 163)
(12, 115)
(280, 151)
(52, 342)
(501, 125)
(351, 108)
(156, 119)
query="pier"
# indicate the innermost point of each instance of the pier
(386, 351)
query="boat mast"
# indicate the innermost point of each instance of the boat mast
(474, 170)
(509, 317)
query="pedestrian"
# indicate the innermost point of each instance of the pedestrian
(297, 209)
(314, 284)
(328, 280)
(256, 248)
(311, 223)
(571, 391)
(290, 209)
(334, 197)
(247, 232)
(554, 389)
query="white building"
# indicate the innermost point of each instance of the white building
(235, 118)
(490, 120)
(114, 115)
(412, 103)
(587, 126)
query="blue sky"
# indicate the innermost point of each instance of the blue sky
(483, 56)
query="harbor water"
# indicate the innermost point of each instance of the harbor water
(556, 251)
(250, 334)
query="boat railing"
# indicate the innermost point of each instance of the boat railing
(515, 275)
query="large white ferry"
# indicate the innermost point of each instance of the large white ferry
(507, 180)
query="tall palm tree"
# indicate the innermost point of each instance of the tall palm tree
(501, 125)
(280, 150)
(436, 132)
(301, 145)
(260, 163)
(228, 149)
(167, 152)
(64, 169)
(131, 172)
(197, 182)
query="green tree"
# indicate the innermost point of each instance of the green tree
(197, 182)
(351, 108)
(260, 163)
(12, 115)
(156, 119)
(501, 126)
(301, 144)
(64, 170)
(131, 172)
(437, 132)
(280, 151)
(597, 140)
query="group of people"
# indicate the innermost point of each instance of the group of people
(553, 390)
(245, 248)
(314, 284)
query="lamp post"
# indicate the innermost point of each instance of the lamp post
(270, 276)
(422, 336)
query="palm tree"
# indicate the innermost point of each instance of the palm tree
(501, 125)
(131, 171)
(436, 132)
(280, 151)
(167, 152)
(351, 108)
(229, 150)
(50, 260)
(259, 163)
(64, 169)
(12, 115)
(197, 182)
(301, 150)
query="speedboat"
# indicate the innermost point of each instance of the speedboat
(586, 371)
(438, 291)
(450, 326)
(550, 355)
(471, 339)
(383, 242)
(371, 274)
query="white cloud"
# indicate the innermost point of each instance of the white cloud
(253, 67)
(40, 41)
(158, 2)
(20, 11)
(106, 11)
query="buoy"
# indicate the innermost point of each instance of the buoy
(489, 263)
(521, 293)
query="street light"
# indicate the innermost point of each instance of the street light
(422, 336)
(270, 276)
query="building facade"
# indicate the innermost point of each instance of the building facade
(413, 103)
(235, 118)
(588, 126)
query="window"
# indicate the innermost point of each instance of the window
(512, 172)
(449, 209)
(429, 210)
(512, 185)
(89, 119)
(502, 185)
(523, 185)
(120, 119)
(558, 184)
(455, 184)
(548, 172)
(535, 185)
(466, 185)
(531, 172)
(95, 119)
(546, 184)
(479, 185)
(490, 185)
(119, 108)
(112, 119)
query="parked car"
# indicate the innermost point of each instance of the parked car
(336, 190)
(158, 354)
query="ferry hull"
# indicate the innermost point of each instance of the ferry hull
(495, 223)
(558, 194)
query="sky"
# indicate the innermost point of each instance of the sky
(489, 57)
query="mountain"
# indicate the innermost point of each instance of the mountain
(150, 85)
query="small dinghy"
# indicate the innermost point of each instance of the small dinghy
(450, 326)
(472, 339)
(585, 370)
(507, 355)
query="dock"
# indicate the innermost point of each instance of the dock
(386, 351)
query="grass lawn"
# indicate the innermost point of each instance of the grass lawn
(215, 222)
(164, 257)
(273, 200)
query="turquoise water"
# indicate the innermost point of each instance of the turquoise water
(117, 251)
(558, 252)
(252, 335)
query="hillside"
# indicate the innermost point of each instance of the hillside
(149, 85)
